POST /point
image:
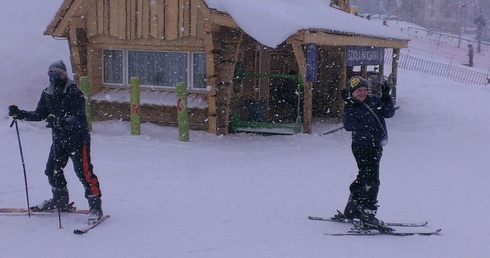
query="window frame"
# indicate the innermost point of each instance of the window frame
(125, 69)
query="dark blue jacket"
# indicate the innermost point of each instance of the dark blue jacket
(70, 107)
(361, 121)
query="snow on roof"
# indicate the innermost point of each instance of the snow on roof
(271, 22)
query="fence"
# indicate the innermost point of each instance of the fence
(444, 38)
(455, 73)
(458, 74)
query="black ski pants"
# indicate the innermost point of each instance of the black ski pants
(364, 190)
(80, 157)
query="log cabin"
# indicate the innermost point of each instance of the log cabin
(237, 76)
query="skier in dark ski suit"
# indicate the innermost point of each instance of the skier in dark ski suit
(62, 105)
(364, 115)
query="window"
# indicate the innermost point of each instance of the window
(199, 76)
(155, 68)
(158, 68)
(113, 66)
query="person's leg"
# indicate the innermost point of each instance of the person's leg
(84, 171)
(57, 160)
(364, 190)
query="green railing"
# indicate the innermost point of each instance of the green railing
(236, 124)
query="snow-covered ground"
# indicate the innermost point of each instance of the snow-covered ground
(244, 195)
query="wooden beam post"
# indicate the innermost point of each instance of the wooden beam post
(307, 88)
(211, 79)
(343, 77)
(394, 72)
(230, 47)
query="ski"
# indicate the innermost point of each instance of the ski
(35, 210)
(377, 233)
(88, 228)
(390, 224)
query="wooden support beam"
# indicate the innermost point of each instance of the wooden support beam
(328, 39)
(343, 77)
(394, 72)
(212, 81)
(307, 88)
(264, 83)
(230, 42)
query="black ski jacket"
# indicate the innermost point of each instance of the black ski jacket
(69, 107)
(361, 121)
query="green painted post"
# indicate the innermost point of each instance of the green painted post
(182, 112)
(85, 87)
(135, 105)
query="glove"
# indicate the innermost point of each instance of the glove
(345, 94)
(16, 113)
(54, 121)
(385, 90)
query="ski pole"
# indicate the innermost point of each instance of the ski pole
(14, 121)
(56, 169)
(53, 146)
(59, 216)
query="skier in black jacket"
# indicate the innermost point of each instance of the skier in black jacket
(364, 115)
(62, 105)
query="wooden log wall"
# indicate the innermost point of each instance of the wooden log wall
(226, 44)
(326, 92)
(144, 19)
(78, 52)
(163, 115)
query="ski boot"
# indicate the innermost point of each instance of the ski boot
(368, 221)
(59, 201)
(95, 214)
(352, 210)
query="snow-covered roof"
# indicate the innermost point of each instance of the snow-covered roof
(271, 22)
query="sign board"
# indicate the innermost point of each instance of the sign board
(364, 55)
(311, 63)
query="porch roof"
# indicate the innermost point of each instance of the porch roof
(272, 22)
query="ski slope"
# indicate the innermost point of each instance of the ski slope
(244, 195)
